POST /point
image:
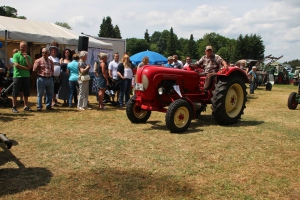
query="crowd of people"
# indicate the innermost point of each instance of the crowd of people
(61, 76)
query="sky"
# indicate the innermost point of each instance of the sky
(276, 21)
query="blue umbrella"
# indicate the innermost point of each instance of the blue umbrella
(154, 58)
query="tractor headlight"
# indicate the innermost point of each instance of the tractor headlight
(145, 81)
(161, 90)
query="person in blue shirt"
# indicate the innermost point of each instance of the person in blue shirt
(253, 78)
(169, 64)
(72, 71)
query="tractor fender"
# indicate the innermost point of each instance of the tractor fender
(232, 71)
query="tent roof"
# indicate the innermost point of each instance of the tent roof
(42, 32)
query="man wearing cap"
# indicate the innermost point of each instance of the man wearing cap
(253, 78)
(211, 63)
(169, 64)
(21, 76)
(44, 68)
(56, 74)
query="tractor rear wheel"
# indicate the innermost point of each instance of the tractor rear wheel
(228, 100)
(135, 114)
(292, 101)
(178, 116)
(268, 86)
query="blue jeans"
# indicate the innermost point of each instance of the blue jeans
(252, 85)
(72, 85)
(42, 85)
(125, 86)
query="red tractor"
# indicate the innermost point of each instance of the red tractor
(180, 94)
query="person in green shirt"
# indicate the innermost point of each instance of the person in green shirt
(21, 78)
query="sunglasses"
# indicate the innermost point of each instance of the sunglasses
(44, 52)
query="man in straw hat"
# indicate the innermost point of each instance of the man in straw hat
(211, 63)
(56, 74)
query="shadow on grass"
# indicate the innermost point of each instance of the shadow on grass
(112, 183)
(208, 120)
(249, 97)
(247, 123)
(15, 180)
(10, 117)
(193, 128)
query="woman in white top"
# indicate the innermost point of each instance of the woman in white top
(125, 74)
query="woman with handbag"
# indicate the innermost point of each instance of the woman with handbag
(83, 81)
(101, 73)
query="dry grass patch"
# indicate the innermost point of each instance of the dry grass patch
(68, 154)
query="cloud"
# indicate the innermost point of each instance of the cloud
(81, 21)
(292, 35)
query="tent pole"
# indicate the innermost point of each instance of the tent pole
(6, 60)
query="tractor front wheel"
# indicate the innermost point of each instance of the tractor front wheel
(135, 114)
(228, 100)
(292, 101)
(269, 86)
(178, 116)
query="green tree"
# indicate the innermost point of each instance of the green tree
(64, 24)
(106, 28)
(181, 49)
(249, 47)
(8, 11)
(134, 45)
(293, 63)
(191, 48)
(231, 49)
(171, 44)
(155, 37)
(163, 42)
(117, 32)
(215, 40)
(224, 53)
(153, 47)
(147, 36)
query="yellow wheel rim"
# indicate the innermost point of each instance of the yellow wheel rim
(234, 100)
(139, 113)
(181, 117)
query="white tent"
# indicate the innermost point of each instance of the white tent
(42, 32)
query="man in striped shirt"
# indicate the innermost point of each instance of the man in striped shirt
(45, 69)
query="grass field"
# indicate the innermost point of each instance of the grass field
(71, 154)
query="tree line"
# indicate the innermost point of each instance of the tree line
(167, 42)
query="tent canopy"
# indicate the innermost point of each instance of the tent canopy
(42, 32)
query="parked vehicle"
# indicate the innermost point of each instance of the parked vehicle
(181, 95)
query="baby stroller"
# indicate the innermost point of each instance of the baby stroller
(109, 94)
(4, 100)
